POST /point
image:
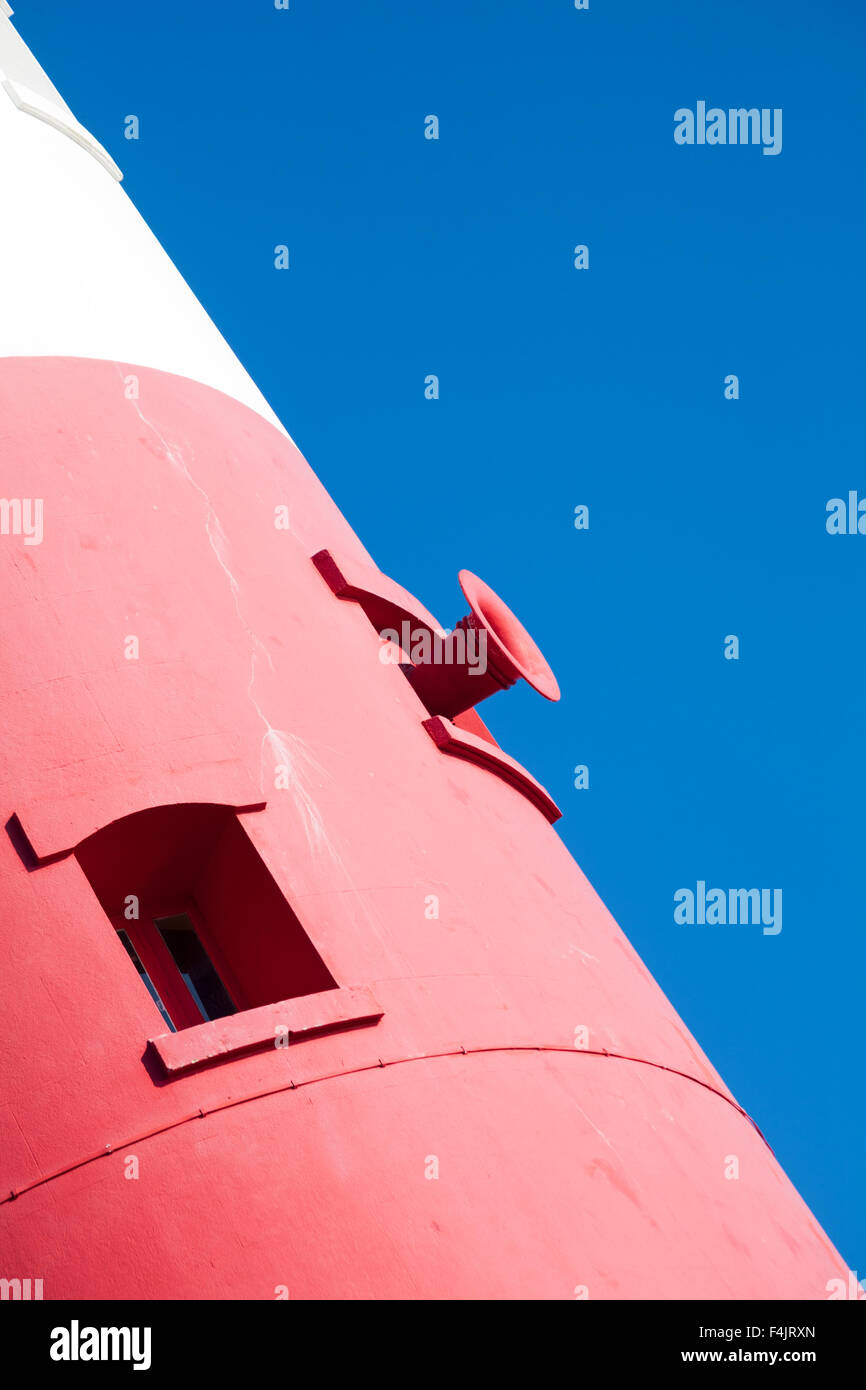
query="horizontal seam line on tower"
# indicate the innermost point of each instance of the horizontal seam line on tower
(201, 1113)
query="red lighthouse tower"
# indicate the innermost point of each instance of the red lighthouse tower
(302, 995)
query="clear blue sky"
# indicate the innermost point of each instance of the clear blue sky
(559, 387)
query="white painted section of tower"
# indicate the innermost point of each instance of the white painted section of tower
(81, 274)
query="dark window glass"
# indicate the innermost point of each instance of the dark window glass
(151, 987)
(194, 964)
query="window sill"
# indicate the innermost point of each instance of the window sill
(273, 1025)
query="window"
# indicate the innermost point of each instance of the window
(178, 965)
(195, 966)
(200, 917)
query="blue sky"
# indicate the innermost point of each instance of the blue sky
(559, 387)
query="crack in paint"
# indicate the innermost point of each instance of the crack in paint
(288, 750)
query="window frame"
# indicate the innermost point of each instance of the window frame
(159, 964)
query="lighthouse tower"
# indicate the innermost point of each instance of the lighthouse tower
(301, 993)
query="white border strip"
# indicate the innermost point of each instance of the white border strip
(35, 105)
